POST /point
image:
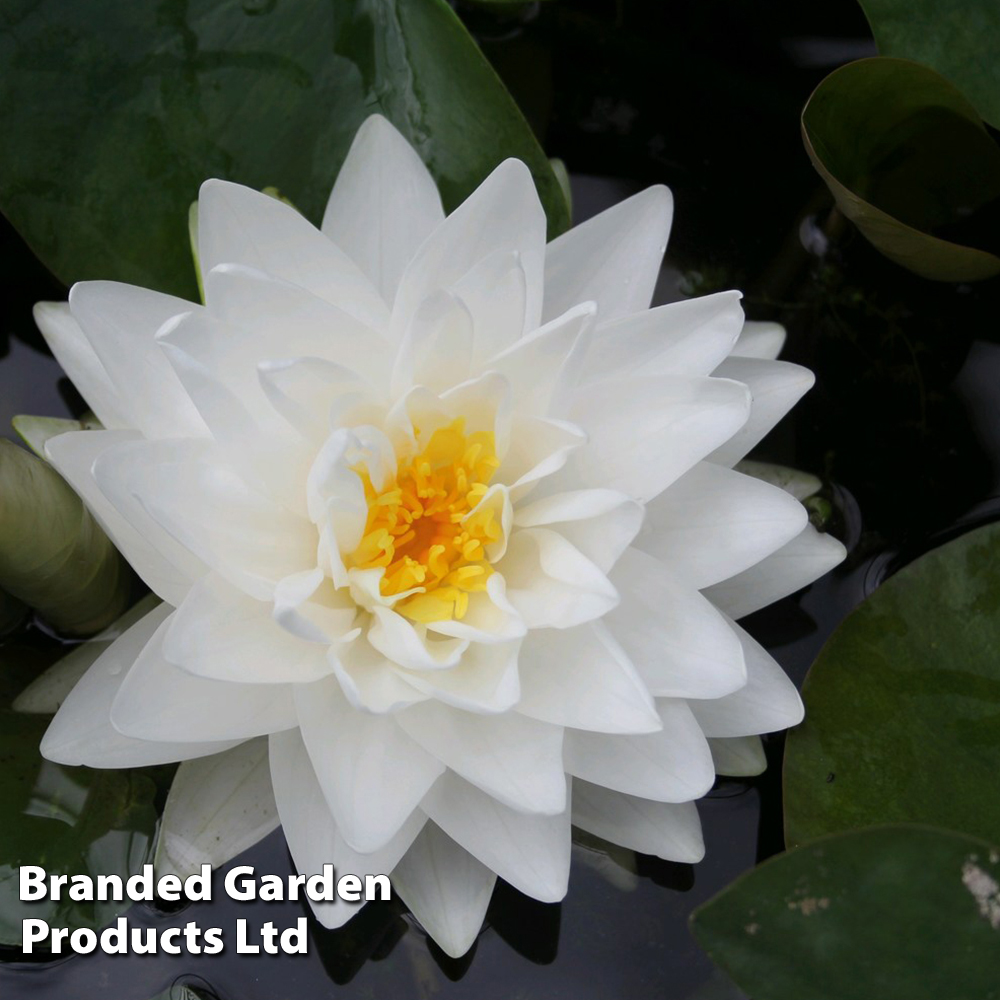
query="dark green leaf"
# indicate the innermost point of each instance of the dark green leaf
(958, 38)
(903, 704)
(71, 821)
(121, 109)
(891, 912)
(910, 163)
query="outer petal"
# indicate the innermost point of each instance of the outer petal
(581, 677)
(530, 852)
(738, 756)
(502, 215)
(372, 774)
(776, 387)
(669, 830)
(680, 644)
(218, 806)
(647, 431)
(805, 558)
(683, 338)
(121, 322)
(673, 765)
(81, 732)
(447, 889)
(760, 340)
(237, 225)
(769, 701)
(612, 259)
(383, 206)
(516, 760)
(714, 523)
(161, 702)
(78, 359)
(312, 835)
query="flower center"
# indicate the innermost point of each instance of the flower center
(429, 528)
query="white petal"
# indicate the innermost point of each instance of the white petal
(795, 482)
(760, 340)
(646, 432)
(612, 259)
(372, 774)
(121, 322)
(312, 835)
(436, 350)
(714, 523)
(165, 566)
(683, 338)
(776, 386)
(369, 681)
(516, 760)
(495, 293)
(383, 206)
(220, 633)
(502, 215)
(217, 807)
(804, 559)
(581, 677)
(738, 756)
(530, 852)
(159, 701)
(768, 703)
(551, 583)
(668, 830)
(673, 765)
(81, 732)
(680, 644)
(600, 523)
(447, 889)
(237, 225)
(489, 618)
(484, 680)
(79, 361)
(409, 645)
(538, 448)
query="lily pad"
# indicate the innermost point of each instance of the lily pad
(958, 38)
(71, 821)
(903, 704)
(887, 912)
(909, 161)
(122, 109)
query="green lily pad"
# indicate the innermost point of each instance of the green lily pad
(908, 160)
(122, 109)
(958, 38)
(903, 704)
(887, 912)
(71, 821)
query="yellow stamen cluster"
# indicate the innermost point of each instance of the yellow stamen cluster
(424, 527)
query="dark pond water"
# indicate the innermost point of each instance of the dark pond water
(905, 420)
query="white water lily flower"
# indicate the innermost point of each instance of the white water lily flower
(446, 514)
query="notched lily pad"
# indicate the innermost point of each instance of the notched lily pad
(903, 704)
(896, 911)
(909, 161)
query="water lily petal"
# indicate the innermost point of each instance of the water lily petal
(690, 337)
(495, 291)
(409, 645)
(538, 448)
(581, 677)
(738, 756)
(383, 206)
(447, 889)
(714, 523)
(436, 350)
(668, 830)
(672, 765)
(369, 681)
(516, 760)
(631, 419)
(767, 703)
(805, 558)
(612, 259)
(354, 753)
(776, 386)
(529, 851)
(760, 340)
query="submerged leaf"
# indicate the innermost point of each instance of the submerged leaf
(903, 704)
(122, 109)
(909, 161)
(893, 911)
(53, 555)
